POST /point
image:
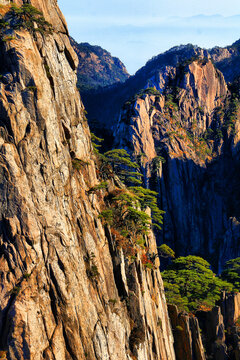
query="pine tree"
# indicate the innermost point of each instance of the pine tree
(192, 279)
(231, 273)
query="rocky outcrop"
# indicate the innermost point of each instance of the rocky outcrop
(209, 334)
(227, 60)
(230, 307)
(96, 67)
(187, 337)
(67, 292)
(220, 329)
(191, 155)
(104, 105)
(213, 332)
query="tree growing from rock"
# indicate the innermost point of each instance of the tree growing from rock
(190, 283)
(231, 273)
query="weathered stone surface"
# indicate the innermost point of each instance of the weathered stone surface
(187, 338)
(213, 331)
(198, 179)
(52, 304)
(227, 60)
(97, 67)
(230, 307)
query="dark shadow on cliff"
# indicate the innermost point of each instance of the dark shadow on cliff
(202, 208)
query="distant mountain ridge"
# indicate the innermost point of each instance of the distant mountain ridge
(97, 67)
(227, 60)
(183, 106)
(154, 73)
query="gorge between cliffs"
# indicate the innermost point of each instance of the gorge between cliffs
(86, 217)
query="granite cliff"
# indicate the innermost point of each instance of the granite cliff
(96, 67)
(185, 128)
(157, 71)
(67, 290)
(180, 108)
(70, 287)
(227, 60)
(193, 123)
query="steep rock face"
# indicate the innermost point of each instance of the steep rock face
(227, 60)
(213, 332)
(96, 67)
(189, 126)
(230, 307)
(104, 105)
(205, 85)
(187, 338)
(67, 292)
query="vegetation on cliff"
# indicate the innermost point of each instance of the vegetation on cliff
(97, 68)
(24, 17)
(191, 284)
(126, 208)
(231, 273)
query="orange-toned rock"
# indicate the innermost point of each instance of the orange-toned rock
(61, 280)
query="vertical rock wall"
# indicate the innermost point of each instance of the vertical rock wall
(197, 183)
(61, 286)
(187, 338)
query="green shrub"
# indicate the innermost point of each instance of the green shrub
(15, 290)
(26, 275)
(91, 267)
(32, 88)
(179, 328)
(93, 272)
(112, 301)
(8, 38)
(106, 216)
(201, 110)
(96, 142)
(157, 161)
(148, 198)
(123, 166)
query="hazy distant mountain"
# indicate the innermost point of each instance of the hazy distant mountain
(97, 67)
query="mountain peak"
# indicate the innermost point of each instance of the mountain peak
(97, 67)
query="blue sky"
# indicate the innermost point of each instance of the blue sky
(136, 30)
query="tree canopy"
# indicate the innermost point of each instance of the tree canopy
(231, 273)
(123, 166)
(30, 18)
(165, 251)
(190, 283)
